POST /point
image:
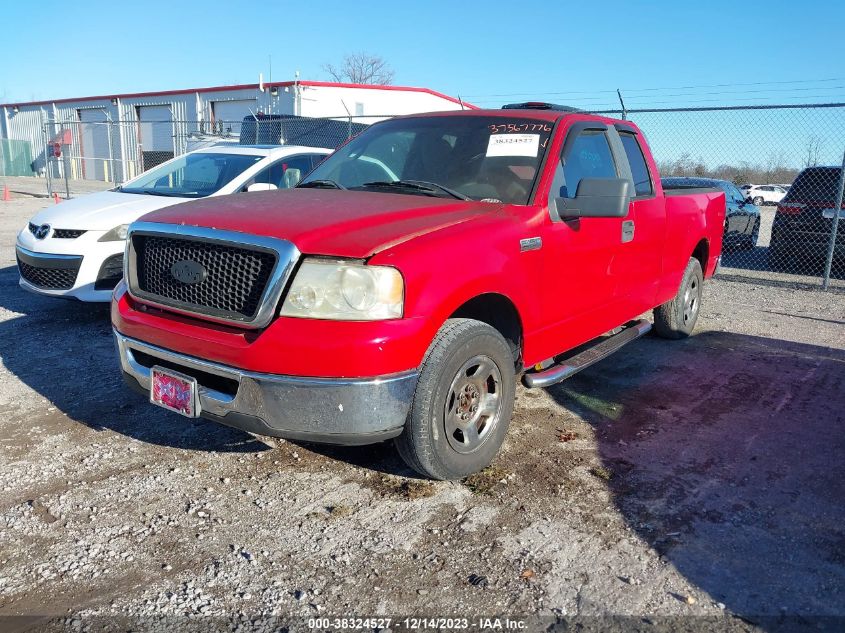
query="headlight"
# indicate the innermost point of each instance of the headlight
(117, 234)
(344, 291)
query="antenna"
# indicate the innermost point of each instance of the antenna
(461, 101)
(624, 111)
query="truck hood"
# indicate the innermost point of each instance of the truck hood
(326, 221)
(101, 211)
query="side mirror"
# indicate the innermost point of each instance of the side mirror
(597, 198)
(261, 186)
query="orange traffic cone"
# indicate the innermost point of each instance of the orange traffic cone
(56, 198)
(6, 196)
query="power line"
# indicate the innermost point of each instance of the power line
(772, 91)
(731, 85)
(629, 90)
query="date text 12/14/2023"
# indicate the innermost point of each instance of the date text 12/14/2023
(418, 623)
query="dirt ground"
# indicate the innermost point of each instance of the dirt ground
(695, 485)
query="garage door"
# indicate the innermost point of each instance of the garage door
(232, 112)
(93, 135)
(227, 115)
(156, 134)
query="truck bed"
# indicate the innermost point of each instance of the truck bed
(682, 191)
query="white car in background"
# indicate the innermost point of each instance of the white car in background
(75, 249)
(764, 194)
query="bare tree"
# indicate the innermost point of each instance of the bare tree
(775, 170)
(813, 150)
(361, 68)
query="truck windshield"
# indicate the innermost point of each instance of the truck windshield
(192, 175)
(476, 157)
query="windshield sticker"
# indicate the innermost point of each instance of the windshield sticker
(513, 145)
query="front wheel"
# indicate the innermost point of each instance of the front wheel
(757, 201)
(462, 404)
(676, 318)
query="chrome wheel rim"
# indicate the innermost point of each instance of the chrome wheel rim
(691, 301)
(473, 404)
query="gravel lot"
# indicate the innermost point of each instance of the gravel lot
(696, 478)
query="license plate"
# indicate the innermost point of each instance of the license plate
(828, 213)
(174, 391)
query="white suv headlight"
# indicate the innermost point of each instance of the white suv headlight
(344, 291)
(117, 234)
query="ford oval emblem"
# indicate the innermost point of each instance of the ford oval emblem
(188, 271)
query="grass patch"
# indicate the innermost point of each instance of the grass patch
(485, 481)
(388, 485)
(340, 510)
(602, 473)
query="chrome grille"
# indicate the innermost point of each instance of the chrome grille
(235, 281)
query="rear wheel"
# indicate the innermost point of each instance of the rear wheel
(750, 241)
(676, 319)
(463, 402)
(757, 201)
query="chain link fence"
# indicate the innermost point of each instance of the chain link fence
(117, 151)
(780, 168)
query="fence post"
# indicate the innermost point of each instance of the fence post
(67, 162)
(110, 162)
(47, 166)
(837, 209)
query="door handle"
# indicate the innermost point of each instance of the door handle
(627, 231)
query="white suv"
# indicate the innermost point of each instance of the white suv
(764, 194)
(75, 249)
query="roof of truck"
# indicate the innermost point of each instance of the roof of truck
(551, 116)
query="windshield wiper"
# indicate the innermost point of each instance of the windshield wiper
(150, 192)
(320, 184)
(418, 185)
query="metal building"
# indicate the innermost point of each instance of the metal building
(114, 137)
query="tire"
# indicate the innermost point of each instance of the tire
(676, 319)
(758, 201)
(468, 363)
(750, 242)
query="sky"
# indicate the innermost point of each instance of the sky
(659, 54)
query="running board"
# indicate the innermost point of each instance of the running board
(582, 360)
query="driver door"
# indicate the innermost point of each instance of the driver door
(583, 280)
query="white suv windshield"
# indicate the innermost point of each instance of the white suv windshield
(192, 176)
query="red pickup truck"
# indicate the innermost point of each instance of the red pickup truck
(409, 281)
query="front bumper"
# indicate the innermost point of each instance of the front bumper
(89, 258)
(326, 410)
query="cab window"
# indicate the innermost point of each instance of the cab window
(590, 157)
(639, 169)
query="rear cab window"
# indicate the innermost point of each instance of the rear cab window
(639, 168)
